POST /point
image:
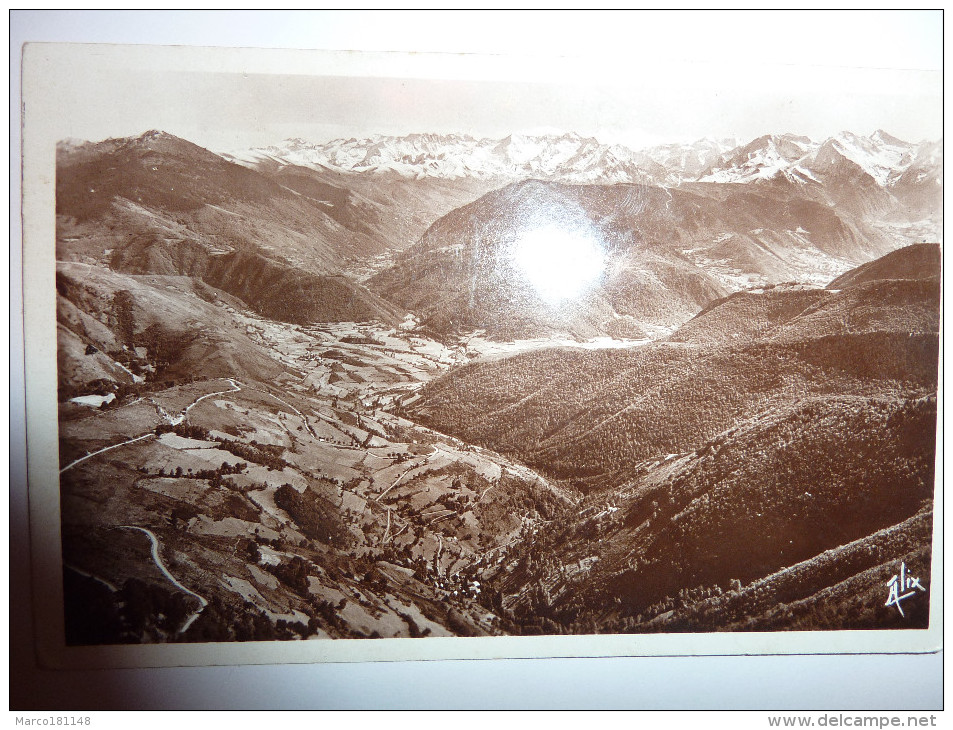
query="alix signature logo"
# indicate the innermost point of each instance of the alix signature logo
(902, 586)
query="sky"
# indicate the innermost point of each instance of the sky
(634, 78)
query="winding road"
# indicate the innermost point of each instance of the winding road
(174, 420)
(108, 448)
(234, 389)
(426, 458)
(303, 417)
(165, 571)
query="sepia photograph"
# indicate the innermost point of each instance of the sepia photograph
(326, 350)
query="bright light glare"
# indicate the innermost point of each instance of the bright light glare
(560, 264)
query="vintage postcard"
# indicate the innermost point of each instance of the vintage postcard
(340, 356)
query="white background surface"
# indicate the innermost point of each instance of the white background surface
(642, 41)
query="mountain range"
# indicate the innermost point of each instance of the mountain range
(572, 158)
(310, 244)
(678, 224)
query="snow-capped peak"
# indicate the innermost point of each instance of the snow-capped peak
(763, 158)
(875, 155)
(881, 156)
(571, 157)
(568, 157)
